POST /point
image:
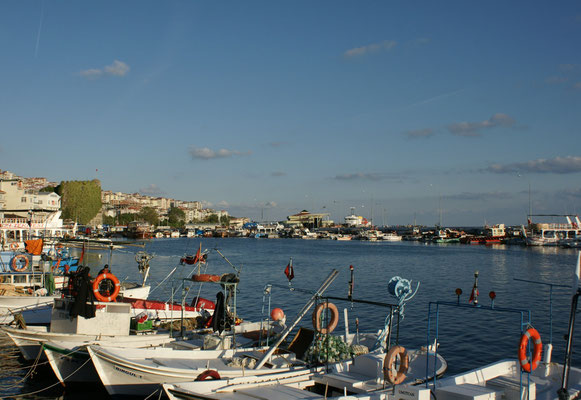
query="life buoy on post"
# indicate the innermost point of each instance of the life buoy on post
(16, 264)
(98, 281)
(205, 278)
(395, 378)
(209, 373)
(317, 318)
(525, 364)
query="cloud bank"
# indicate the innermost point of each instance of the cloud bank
(473, 129)
(205, 153)
(557, 165)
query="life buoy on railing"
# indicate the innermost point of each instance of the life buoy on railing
(317, 318)
(525, 364)
(17, 265)
(389, 373)
(97, 282)
(13, 246)
(209, 373)
(205, 278)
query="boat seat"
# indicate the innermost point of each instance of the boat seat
(351, 381)
(467, 391)
(370, 365)
(510, 386)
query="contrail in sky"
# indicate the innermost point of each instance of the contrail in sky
(39, 30)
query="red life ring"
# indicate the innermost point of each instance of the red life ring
(533, 334)
(15, 263)
(205, 278)
(388, 364)
(209, 373)
(98, 294)
(317, 318)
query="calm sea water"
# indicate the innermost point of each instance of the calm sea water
(466, 335)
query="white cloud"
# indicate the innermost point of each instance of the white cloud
(117, 68)
(205, 153)
(386, 45)
(472, 129)
(557, 165)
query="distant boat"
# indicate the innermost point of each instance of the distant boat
(552, 234)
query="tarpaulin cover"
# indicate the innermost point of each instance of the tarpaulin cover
(34, 247)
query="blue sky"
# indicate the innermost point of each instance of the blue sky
(397, 108)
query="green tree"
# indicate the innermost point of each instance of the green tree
(212, 219)
(149, 215)
(176, 217)
(80, 200)
(225, 220)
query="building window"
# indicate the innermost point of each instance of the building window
(23, 200)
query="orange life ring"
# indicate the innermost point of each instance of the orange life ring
(205, 278)
(388, 365)
(19, 268)
(97, 282)
(525, 364)
(13, 246)
(317, 318)
(209, 373)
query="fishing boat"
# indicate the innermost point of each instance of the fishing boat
(533, 375)
(552, 234)
(101, 322)
(373, 374)
(144, 371)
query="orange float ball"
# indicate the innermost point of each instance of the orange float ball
(277, 314)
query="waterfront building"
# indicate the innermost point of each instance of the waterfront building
(309, 220)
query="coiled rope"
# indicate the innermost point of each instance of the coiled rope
(401, 289)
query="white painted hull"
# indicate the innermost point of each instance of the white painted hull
(140, 372)
(29, 341)
(504, 376)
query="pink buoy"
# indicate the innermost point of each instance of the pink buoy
(277, 314)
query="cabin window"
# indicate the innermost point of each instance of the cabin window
(571, 234)
(549, 234)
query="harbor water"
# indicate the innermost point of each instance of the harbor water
(468, 337)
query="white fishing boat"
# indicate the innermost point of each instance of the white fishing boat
(74, 365)
(144, 371)
(552, 234)
(368, 374)
(363, 377)
(534, 375)
(97, 323)
(391, 237)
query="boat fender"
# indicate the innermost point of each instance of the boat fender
(97, 282)
(205, 278)
(389, 373)
(317, 318)
(209, 373)
(533, 334)
(16, 264)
